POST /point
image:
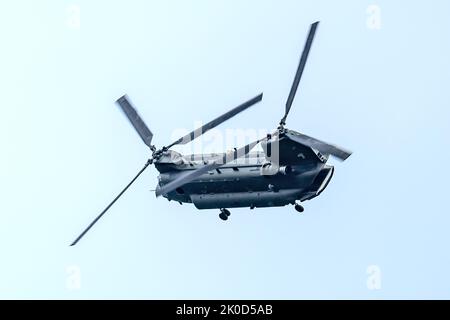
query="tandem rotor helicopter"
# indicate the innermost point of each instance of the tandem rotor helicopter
(292, 167)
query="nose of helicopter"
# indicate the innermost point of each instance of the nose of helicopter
(324, 178)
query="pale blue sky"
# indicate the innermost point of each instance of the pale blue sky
(67, 149)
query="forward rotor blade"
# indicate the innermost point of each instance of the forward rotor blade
(323, 147)
(300, 68)
(109, 206)
(216, 163)
(214, 123)
(137, 122)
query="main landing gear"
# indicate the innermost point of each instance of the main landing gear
(224, 214)
(299, 208)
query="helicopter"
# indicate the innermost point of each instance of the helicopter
(292, 167)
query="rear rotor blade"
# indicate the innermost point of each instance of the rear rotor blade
(109, 206)
(214, 123)
(216, 163)
(323, 147)
(137, 122)
(300, 68)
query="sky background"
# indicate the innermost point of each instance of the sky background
(377, 85)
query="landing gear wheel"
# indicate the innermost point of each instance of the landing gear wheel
(227, 212)
(223, 216)
(299, 208)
